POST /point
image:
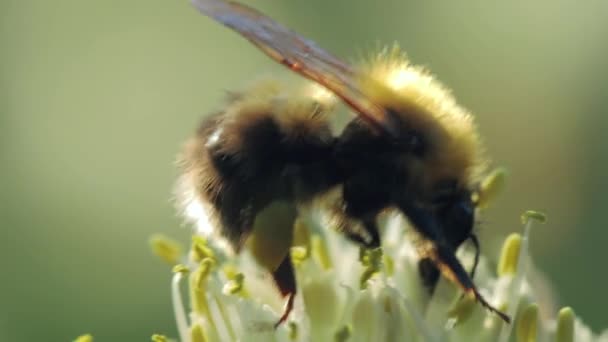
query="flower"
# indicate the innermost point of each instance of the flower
(345, 294)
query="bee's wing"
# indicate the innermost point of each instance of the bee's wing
(297, 53)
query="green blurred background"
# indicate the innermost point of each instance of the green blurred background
(97, 96)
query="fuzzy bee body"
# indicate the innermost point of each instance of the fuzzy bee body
(260, 149)
(411, 147)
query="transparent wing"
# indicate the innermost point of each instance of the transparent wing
(297, 53)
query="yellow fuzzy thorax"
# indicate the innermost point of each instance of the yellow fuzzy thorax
(428, 107)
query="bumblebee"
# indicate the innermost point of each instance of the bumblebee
(270, 150)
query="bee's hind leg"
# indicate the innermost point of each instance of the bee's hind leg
(285, 279)
(356, 233)
(429, 274)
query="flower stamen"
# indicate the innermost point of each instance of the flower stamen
(178, 305)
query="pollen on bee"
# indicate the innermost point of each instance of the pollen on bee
(193, 209)
(400, 77)
(214, 138)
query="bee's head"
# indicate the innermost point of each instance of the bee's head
(454, 210)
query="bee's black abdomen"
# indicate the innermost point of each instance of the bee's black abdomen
(251, 155)
(255, 153)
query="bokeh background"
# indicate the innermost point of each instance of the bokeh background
(97, 96)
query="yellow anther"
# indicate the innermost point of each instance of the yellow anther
(197, 334)
(343, 334)
(230, 270)
(298, 255)
(490, 187)
(165, 248)
(509, 256)
(200, 249)
(84, 338)
(372, 260)
(301, 234)
(463, 309)
(533, 215)
(293, 331)
(527, 324)
(565, 325)
(159, 338)
(235, 285)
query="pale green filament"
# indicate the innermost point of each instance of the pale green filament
(180, 268)
(198, 287)
(389, 265)
(319, 249)
(178, 304)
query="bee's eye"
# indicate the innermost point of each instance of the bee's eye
(462, 212)
(457, 215)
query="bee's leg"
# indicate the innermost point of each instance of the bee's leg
(353, 231)
(355, 237)
(429, 273)
(236, 214)
(285, 279)
(358, 228)
(443, 256)
(372, 229)
(269, 243)
(450, 266)
(475, 243)
(362, 203)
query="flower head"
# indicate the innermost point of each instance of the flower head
(347, 294)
